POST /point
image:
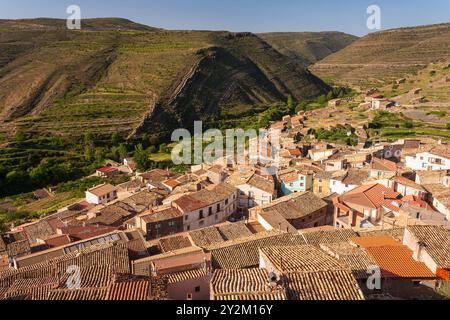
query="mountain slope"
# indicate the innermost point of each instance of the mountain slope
(308, 47)
(387, 55)
(130, 79)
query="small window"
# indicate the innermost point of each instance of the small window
(189, 296)
(197, 289)
(210, 211)
(226, 202)
(218, 207)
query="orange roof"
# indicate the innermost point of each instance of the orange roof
(372, 195)
(171, 183)
(398, 262)
(383, 164)
(394, 259)
(295, 152)
(368, 242)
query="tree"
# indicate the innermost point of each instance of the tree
(88, 153)
(20, 136)
(115, 139)
(89, 139)
(409, 124)
(290, 103)
(152, 149)
(122, 152)
(142, 158)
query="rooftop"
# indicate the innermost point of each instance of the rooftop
(302, 258)
(323, 285)
(251, 284)
(294, 206)
(383, 165)
(372, 195)
(437, 241)
(102, 190)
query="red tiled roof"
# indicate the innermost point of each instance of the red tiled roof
(171, 183)
(107, 170)
(373, 195)
(86, 232)
(394, 259)
(57, 240)
(380, 241)
(55, 223)
(383, 164)
(398, 262)
(134, 290)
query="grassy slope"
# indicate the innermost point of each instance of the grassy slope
(65, 82)
(386, 55)
(308, 47)
(117, 76)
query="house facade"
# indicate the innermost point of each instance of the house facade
(207, 207)
(296, 181)
(101, 194)
(428, 161)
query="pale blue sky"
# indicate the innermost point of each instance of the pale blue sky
(243, 15)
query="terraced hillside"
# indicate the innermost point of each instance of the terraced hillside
(129, 78)
(308, 47)
(387, 55)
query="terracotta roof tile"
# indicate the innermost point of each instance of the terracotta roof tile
(323, 285)
(248, 284)
(398, 262)
(88, 294)
(133, 290)
(174, 243)
(303, 258)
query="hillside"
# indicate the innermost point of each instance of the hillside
(384, 56)
(57, 85)
(308, 47)
(112, 79)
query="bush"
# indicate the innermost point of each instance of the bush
(408, 124)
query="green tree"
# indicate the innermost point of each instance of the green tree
(142, 158)
(89, 139)
(122, 152)
(290, 103)
(115, 139)
(409, 124)
(88, 153)
(20, 136)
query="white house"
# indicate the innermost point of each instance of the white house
(255, 191)
(349, 181)
(101, 194)
(432, 160)
(321, 154)
(207, 207)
